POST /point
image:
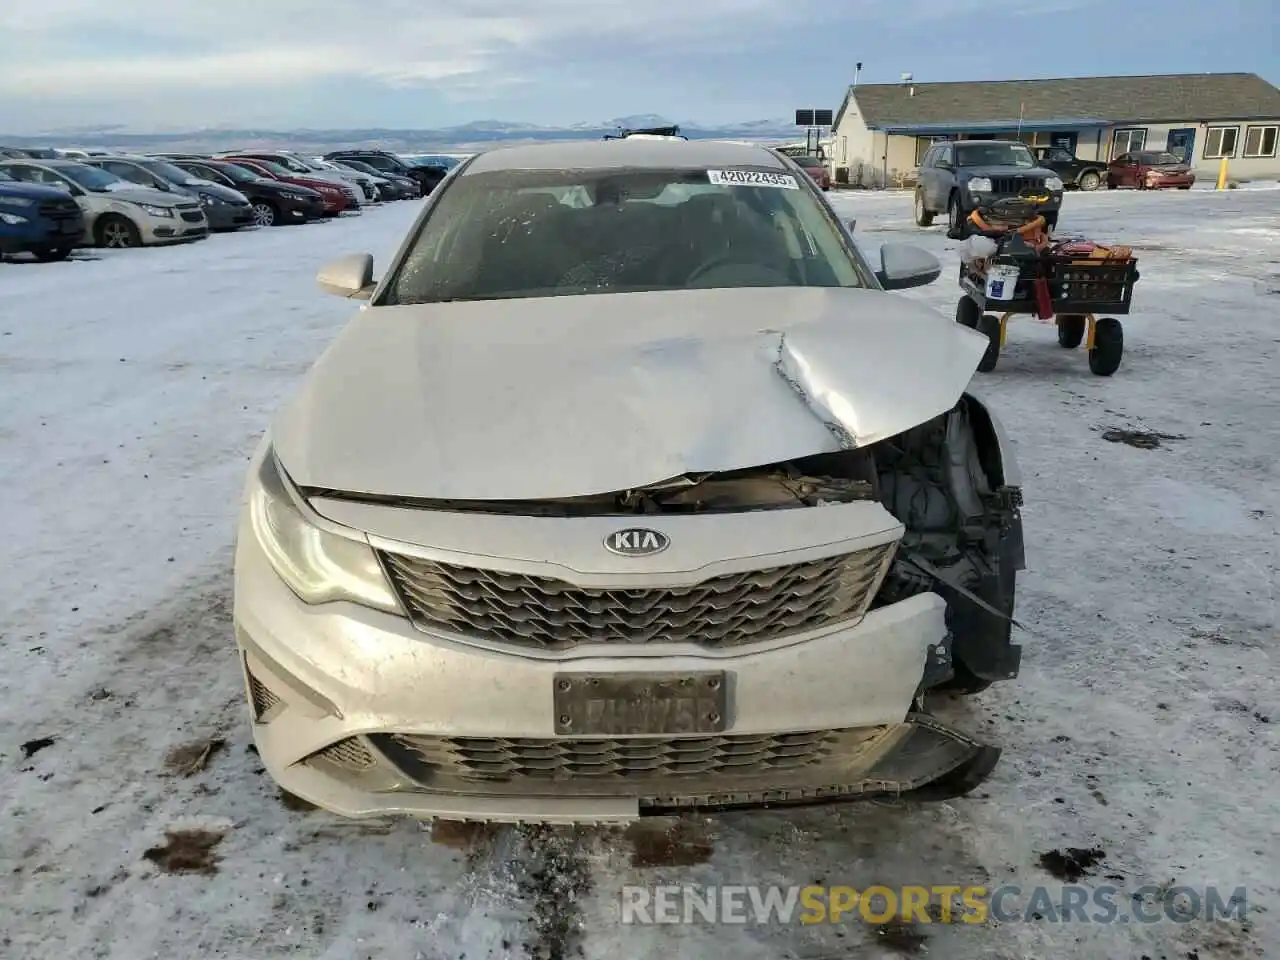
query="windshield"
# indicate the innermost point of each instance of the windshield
(275, 168)
(168, 171)
(513, 234)
(5, 178)
(358, 166)
(237, 173)
(93, 178)
(994, 155)
(289, 164)
(1159, 159)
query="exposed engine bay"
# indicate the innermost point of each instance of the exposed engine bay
(943, 480)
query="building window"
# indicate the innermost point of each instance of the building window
(1036, 139)
(1220, 142)
(1260, 141)
(1128, 141)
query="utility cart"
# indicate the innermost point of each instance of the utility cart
(1010, 267)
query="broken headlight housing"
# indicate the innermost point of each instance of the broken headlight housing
(319, 565)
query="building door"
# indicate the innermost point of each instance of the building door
(1067, 141)
(1182, 143)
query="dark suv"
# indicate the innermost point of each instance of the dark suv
(427, 178)
(1074, 172)
(959, 176)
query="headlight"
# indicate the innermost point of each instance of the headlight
(319, 566)
(156, 211)
(295, 197)
(209, 199)
(12, 219)
(15, 202)
(980, 184)
(1053, 183)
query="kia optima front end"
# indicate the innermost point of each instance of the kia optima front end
(553, 534)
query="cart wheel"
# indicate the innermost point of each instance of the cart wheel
(1070, 330)
(990, 325)
(1108, 347)
(967, 313)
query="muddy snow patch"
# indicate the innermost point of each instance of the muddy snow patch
(190, 846)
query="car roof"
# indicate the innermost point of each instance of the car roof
(39, 161)
(628, 153)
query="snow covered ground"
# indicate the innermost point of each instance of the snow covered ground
(133, 385)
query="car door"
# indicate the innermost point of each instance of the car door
(943, 178)
(1062, 163)
(1122, 168)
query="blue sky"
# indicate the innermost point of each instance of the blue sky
(185, 64)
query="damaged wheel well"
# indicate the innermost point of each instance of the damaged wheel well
(945, 481)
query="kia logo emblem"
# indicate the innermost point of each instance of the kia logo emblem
(636, 542)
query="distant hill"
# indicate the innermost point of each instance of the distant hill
(467, 137)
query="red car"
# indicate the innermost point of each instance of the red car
(1149, 170)
(816, 169)
(335, 200)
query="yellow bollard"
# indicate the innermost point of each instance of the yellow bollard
(1222, 174)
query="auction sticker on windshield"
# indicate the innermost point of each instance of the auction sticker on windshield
(752, 178)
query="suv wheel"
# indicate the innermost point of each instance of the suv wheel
(1089, 180)
(923, 217)
(956, 221)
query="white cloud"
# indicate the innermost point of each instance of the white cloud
(246, 43)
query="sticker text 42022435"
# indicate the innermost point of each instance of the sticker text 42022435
(752, 178)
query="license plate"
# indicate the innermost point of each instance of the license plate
(636, 704)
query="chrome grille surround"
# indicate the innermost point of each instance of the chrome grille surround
(730, 610)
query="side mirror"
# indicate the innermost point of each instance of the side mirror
(161, 185)
(903, 265)
(350, 277)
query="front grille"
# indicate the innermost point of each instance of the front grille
(351, 754)
(60, 210)
(263, 697)
(725, 611)
(482, 758)
(1014, 186)
(192, 216)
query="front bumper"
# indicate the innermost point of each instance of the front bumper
(228, 216)
(175, 229)
(361, 713)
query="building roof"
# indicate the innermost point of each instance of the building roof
(631, 152)
(1069, 102)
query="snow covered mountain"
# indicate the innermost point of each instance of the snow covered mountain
(474, 135)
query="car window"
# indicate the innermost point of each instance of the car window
(209, 173)
(378, 163)
(514, 234)
(1159, 158)
(1060, 154)
(167, 171)
(126, 171)
(946, 154)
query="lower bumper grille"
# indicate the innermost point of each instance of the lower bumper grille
(192, 216)
(645, 767)
(725, 611)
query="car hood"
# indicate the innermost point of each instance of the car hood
(579, 395)
(139, 194)
(218, 190)
(31, 191)
(1170, 167)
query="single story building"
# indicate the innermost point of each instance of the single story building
(882, 130)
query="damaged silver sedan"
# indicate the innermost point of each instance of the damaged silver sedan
(628, 490)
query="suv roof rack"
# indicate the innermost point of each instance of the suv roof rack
(671, 133)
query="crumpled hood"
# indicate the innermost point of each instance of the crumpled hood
(577, 395)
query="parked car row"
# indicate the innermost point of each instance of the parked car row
(51, 203)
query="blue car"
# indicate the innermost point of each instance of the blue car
(43, 221)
